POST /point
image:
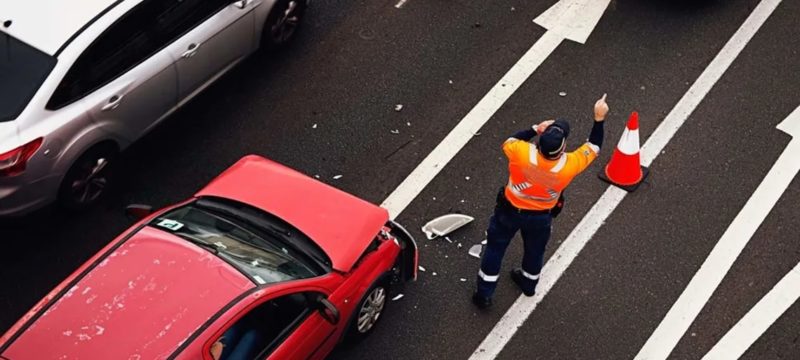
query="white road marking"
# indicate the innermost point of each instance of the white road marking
(591, 222)
(734, 344)
(400, 3)
(725, 252)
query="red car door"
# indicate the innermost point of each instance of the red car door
(293, 322)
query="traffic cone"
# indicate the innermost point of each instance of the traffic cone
(625, 169)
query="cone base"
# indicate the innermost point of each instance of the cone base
(628, 188)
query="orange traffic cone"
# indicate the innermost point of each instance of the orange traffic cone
(624, 170)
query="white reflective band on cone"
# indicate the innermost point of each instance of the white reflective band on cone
(629, 142)
(488, 278)
(529, 276)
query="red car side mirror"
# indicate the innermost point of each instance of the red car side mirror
(328, 311)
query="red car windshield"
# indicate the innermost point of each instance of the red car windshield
(264, 257)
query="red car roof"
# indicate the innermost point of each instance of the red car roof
(140, 302)
(341, 224)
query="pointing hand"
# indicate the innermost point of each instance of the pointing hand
(600, 109)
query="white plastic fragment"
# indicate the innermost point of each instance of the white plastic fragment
(445, 224)
(466, 178)
(562, 94)
(459, 245)
(475, 251)
(448, 239)
(408, 123)
(462, 279)
(398, 107)
(398, 297)
(484, 242)
(314, 126)
(450, 82)
(337, 177)
(434, 273)
(421, 268)
(316, 176)
(395, 131)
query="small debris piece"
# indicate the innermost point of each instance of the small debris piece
(445, 224)
(398, 107)
(462, 201)
(316, 176)
(463, 280)
(398, 297)
(408, 124)
(476, 25)
(314, 126)
(395, 131)
(512, 8)
(562, 94)
(434, 273)
(477, 134)
(434, 198)
(459, 245)
(450, 82)
(448, 239)
(337, 177)
(421, 268)
(475, 251)
(466, 178)
(484, 242)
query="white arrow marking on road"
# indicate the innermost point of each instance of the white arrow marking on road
(724, 254)
(591, 222)
(581, 22)
(758, 319)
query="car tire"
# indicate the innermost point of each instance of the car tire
(369, 311)
(89, 178)
(282, 23)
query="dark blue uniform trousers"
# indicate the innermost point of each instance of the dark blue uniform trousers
(504, 224)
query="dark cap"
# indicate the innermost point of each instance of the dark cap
(553, 140)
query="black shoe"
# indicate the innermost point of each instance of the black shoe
(518, 278)
(481, 302)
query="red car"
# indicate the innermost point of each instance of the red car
(263, 263)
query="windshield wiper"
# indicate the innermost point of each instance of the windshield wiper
(213, 248)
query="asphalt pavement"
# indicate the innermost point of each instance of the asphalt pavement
(326, 106)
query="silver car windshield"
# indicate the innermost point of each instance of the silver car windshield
(22, 70)
(263, 258)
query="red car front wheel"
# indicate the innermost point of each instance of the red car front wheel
(369, 311)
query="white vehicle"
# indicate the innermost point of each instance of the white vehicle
(81, 80)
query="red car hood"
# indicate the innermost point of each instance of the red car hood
(341, 224)
(140, 302)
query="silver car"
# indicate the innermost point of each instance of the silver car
(81, 80)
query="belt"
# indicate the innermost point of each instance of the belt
(503, 202)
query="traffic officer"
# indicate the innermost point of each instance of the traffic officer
(538, 173)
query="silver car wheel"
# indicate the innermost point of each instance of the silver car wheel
(286, 25)
(91, 184)
(371, 309)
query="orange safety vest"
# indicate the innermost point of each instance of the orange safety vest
(534, 182)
